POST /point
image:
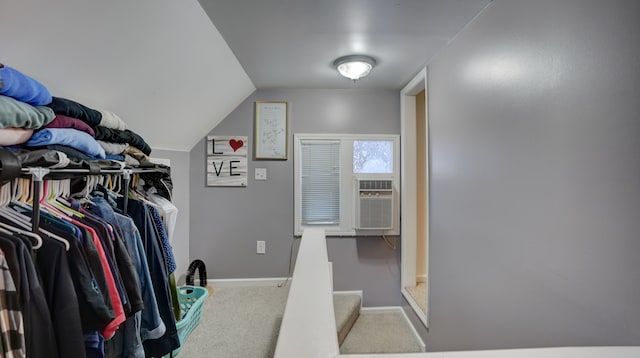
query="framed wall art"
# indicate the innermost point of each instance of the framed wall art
(271, 130)
(227, 161)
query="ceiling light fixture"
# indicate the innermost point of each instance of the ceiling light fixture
(354, 67)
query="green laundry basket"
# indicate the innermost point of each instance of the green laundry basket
(191, 299)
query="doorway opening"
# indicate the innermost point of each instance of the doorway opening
(415, 195)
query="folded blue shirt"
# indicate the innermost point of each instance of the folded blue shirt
(17, 85)
(70, 137)
(116, 157)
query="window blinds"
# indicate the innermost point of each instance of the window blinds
(320, 182)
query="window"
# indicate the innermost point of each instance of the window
(327, 167)
(320, 182)
(373, 156)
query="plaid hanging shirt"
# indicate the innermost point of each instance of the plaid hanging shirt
(11, 324)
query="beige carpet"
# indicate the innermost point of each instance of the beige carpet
(380, 332)
(419, 294)
(346, 309)
(243, 322)
(238, 322)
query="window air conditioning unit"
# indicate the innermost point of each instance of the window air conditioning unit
(374, 204)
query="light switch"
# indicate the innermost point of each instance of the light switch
(261, 174)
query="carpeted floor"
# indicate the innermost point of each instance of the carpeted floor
(419, 294)
(243, 322)
(380, 332)
(238, 322)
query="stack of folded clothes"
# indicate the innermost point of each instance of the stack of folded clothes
(31, 118)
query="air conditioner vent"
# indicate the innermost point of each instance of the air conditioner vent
(374, 203)
(367, 184)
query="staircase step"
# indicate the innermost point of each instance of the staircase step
(347, 310)
(381, 332)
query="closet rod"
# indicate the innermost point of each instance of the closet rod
(38, 174)
(30, 170)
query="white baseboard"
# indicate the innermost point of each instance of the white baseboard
(246, 282)
(416, 308)
(423, 347)
(359, 293)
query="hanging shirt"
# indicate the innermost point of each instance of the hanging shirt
(104, 240)
(169, 214)
(12, 262)
(169, 341)
(39, 342)
(151, 324)
(61, 297)
(122, 259)
(11, 324)
(118, 309)
(95, 307)
(169, 260)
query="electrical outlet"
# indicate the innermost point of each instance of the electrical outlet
(260, 247)
(261, 173)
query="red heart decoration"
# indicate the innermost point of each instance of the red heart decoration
(236, 144)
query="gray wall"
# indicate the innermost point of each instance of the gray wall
(535, 178)
(180, 180)
(226, 221)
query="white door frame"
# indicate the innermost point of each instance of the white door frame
(409, 183)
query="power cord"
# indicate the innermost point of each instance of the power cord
(388, 242)
(284, 283)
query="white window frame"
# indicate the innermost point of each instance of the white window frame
(348, 183)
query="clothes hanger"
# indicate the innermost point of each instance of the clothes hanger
(84, 196)
(25, 220)
(19, 194)
(114, 190)
(66, 188)
(109, 184)
(136, 188)
(64, 191)
(19, 190)
(30, 192)
(35, 239)
(56, 237)
(52, 193)
(5, 193)
(24, 224)
(6, 232)
(3, 203)
(22, 220)
(38, 239)
(118, 184)
(23, 195)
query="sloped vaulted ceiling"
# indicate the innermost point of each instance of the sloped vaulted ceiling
(161, 65)
(293, 43)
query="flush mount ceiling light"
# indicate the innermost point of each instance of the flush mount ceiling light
(354, 67)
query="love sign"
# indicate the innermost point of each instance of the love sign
(227, 161)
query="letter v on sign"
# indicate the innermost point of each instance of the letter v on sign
(216, 168)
